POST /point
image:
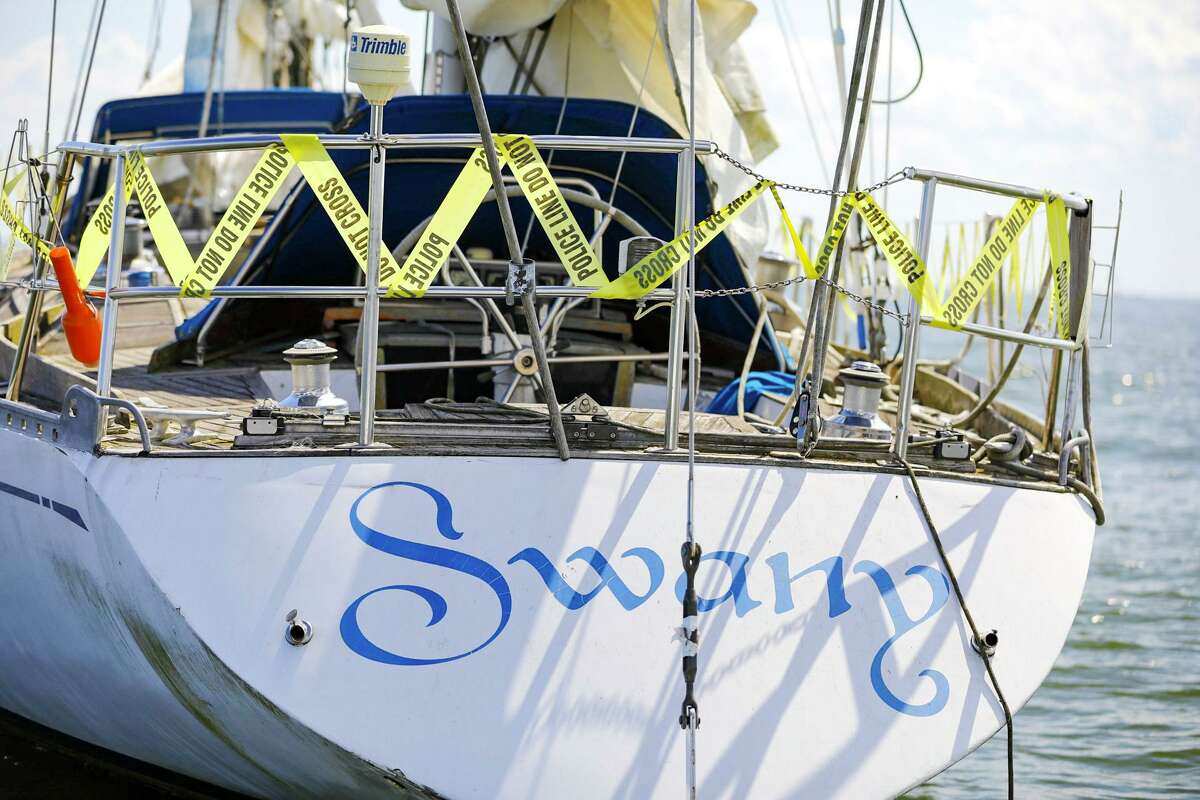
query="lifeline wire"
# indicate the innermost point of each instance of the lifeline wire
(977, 640)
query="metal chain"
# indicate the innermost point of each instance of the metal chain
(882, 309)
(795, 187)
(903, 319)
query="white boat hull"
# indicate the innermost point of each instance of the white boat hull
(502, 627)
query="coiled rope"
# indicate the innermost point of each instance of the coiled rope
(1008, 450)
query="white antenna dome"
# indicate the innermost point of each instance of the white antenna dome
(379, 62)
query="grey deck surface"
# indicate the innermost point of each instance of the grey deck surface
(232, 390)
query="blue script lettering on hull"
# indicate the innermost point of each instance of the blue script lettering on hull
(633, 560)
(454, 560)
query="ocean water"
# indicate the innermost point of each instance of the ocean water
(1119, 716)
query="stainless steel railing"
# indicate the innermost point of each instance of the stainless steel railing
(114, 294)
(409, 141)
(1071, 201)
(931, 179)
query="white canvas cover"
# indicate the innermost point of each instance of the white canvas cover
(609, 43)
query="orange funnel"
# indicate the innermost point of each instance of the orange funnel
(80, 323)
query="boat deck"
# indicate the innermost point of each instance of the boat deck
(232, 390)
(236, 386)
(235, 389)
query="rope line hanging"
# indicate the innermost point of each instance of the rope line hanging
(983, 644)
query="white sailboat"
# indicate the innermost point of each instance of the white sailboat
(355, 591)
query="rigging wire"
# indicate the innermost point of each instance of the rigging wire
(690, 716)
(156, 24)
(87, 75)
(217, 52)
(41, 191)
(347, 103)
(808, 117)
(812, 82)
(562, 112)
(693, 379)
(637, 107)
(879, 275)
(887, 116)
(50, 77)
(920, 63)
(9, 164)
(79, 76)
(559, 312)
(425, 60)
(39, 209)
(837, 36)
(805, 423)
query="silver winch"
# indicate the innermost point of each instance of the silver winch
(863, 383)
(310, 360)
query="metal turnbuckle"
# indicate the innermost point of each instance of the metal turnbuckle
(689, 715)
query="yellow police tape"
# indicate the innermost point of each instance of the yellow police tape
(334, 195)
(1060, 262)
(894, 245)
(197, 278)
(8, 254)
(651, 271)
(440, 235)
(10, 217)
(238, 221)
(654, 269)
(167, 239)
(6, 190)
(970, 289)
(898, 251)
(171, 248)
(841, 220)
(810, 271)
(517, 151)
(797, 244)
(574, 251)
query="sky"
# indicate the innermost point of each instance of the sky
(1092, 97)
